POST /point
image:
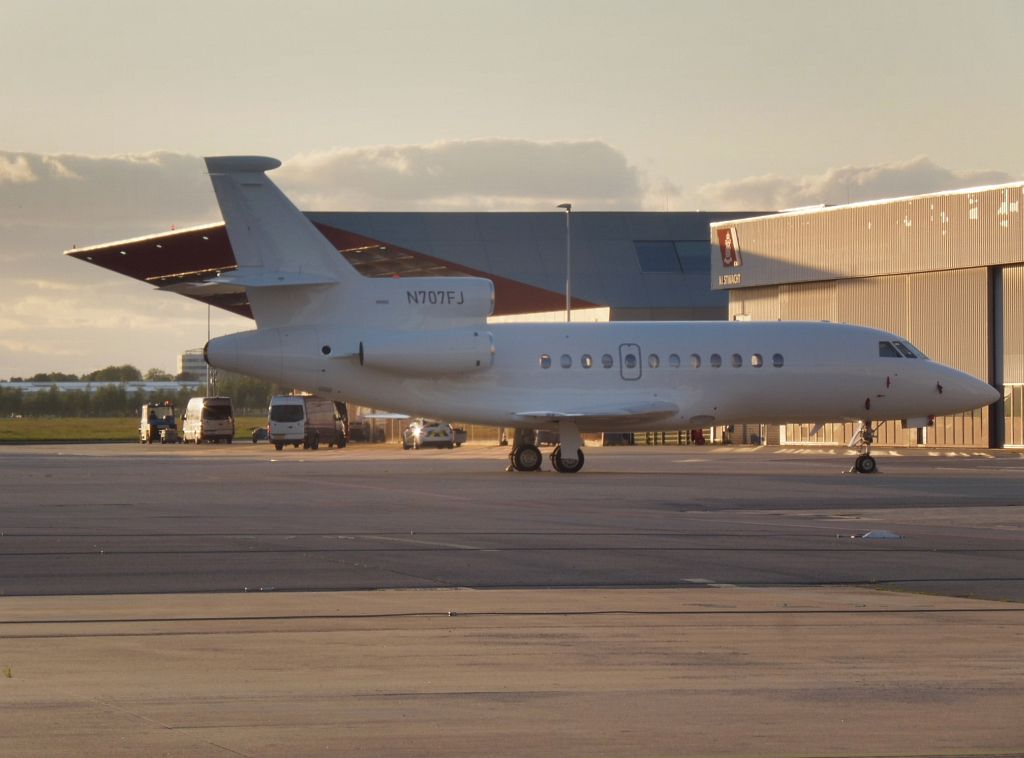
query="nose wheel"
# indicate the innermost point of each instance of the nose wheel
(864, 463)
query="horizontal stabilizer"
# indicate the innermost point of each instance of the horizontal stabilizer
(265, 278)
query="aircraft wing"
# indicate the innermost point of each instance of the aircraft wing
(640, 411)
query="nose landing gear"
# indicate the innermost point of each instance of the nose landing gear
(864, 463)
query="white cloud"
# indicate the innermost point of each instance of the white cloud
(840, 185)
(84, 193)
(482, 174)
(15, 170)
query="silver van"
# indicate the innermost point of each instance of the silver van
(306, 420)
(208, 419)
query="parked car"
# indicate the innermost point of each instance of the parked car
(422, 433)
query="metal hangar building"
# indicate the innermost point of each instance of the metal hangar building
(944, 270)
(636, 265)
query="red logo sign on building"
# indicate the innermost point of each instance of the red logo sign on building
(729, 247)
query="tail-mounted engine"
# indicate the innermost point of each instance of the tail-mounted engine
(454, 351)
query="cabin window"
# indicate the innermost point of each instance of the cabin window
(777, 360)
(629, 361)
(756, 360)
(545, 361)
(887, 350)
(607, 361)
(716, 360)
(586, 361)
(695, 360)
(566, 361)
(737, 360)
(653, 360)
(673, 360)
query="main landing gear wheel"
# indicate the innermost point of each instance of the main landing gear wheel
(525, 458)
(562, 466)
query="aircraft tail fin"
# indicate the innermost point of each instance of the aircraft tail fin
(278, 250)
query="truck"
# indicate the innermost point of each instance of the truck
(306, 420)
(158, 424)
(208, 419)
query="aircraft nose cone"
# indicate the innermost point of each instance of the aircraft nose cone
(974, 393)
(989, 393)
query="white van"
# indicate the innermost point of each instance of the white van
(305, 420)
(208, 418)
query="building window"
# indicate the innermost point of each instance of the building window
(716, 360)
(657, 257)
(586, 361)
(695, 360)
(756, 360)
(695, 256)
(545, 361)
(737, 360)
(566, 361)
(777, 360)
(653, 360)
(673, 361)
(607, 361)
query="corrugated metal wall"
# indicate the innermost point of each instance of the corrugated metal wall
(944, 313)
(759, 303)
(1013, 324)
(949, 318)
(910, 235)
(813, 301)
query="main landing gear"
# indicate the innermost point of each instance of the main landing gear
(864, 463)
(526, 456)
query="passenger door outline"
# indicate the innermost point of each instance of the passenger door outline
(630, 367)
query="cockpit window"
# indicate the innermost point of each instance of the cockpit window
(907, 352)
(887, 350)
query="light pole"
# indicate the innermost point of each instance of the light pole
(208, 308)
(568, 259)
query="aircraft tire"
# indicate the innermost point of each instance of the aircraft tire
(559, 465)
(865, 464)
(526, 458)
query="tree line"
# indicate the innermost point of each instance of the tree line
(124, 373)
(248, 395)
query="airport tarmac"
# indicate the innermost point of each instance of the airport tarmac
(664, 601)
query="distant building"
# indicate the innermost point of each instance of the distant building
(89, 387)
(191, 365)
(637, 265)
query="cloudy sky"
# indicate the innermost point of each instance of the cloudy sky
(460, 104)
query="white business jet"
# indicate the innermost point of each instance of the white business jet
(423, 346)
